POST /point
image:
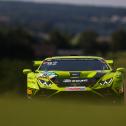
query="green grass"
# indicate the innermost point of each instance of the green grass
(18, 111)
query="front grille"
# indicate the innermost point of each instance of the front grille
(74, 82)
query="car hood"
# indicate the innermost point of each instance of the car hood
(74, 74)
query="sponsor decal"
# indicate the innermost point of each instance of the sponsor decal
(75, 81)
(47, 74)
(50, 63)
(74, 74)
(75, 89)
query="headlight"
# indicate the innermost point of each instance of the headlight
(47, 83)
(106, 81)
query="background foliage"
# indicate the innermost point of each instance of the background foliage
(17, 52)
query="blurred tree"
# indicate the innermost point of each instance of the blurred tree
(2, 44)
(16, 43)
(11, 76)
(87, 41)
(119, 40)
(103, 47)
(60, 40)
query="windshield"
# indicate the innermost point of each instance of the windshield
(74, 65)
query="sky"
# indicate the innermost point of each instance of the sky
(117, 3)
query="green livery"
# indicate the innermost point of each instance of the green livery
(75, 74)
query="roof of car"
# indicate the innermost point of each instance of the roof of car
(74, 57)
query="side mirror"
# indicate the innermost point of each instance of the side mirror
(37, 63)
(110, 62)
(26, 71)
(121, 70)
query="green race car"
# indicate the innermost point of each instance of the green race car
(75, 74)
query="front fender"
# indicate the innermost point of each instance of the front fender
(32, 81)
(118, 80)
